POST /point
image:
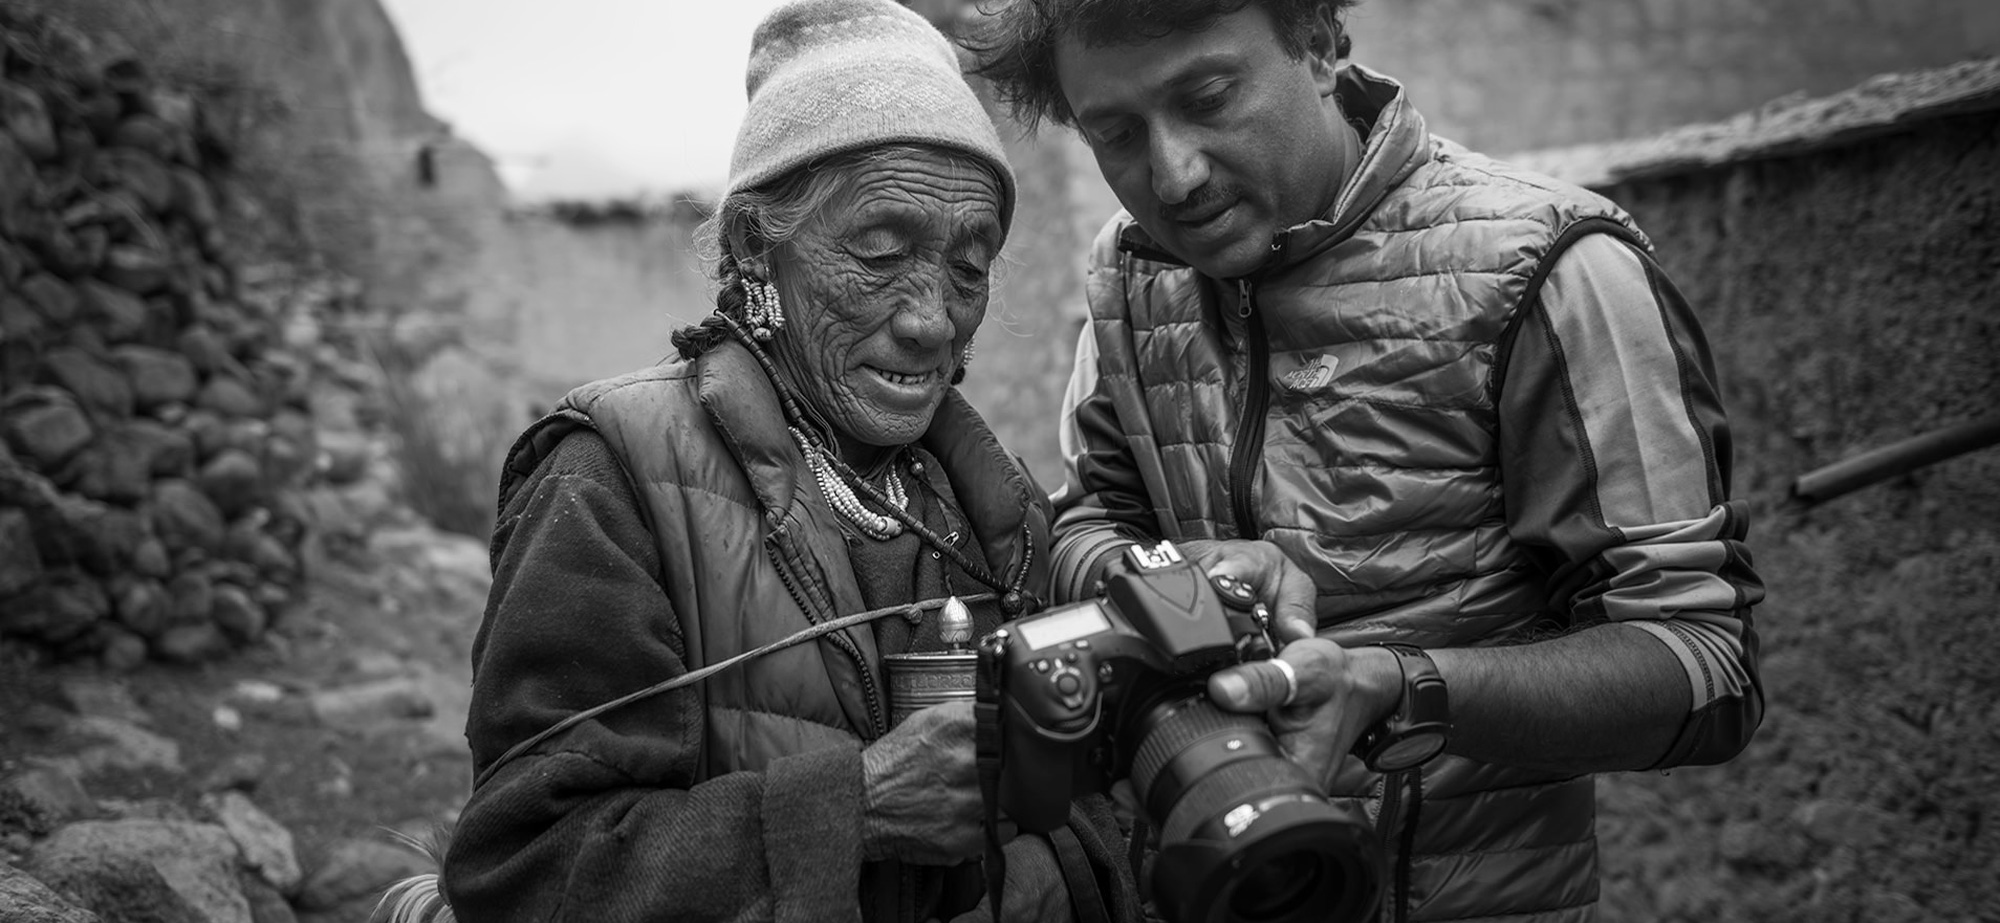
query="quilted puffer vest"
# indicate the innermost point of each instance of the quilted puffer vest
(1370, 347)
(752, 553)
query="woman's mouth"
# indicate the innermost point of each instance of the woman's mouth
(902, 379)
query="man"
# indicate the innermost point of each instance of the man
(1420, 399)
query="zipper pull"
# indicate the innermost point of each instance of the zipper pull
(1243, 298)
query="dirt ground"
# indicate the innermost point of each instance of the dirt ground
(344, 723)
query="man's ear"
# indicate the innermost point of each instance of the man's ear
(1323, 49)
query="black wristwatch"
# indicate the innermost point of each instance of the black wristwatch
(1415, 731)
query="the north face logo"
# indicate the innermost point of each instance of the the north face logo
(1316, 373)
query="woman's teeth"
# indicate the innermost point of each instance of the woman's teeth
(898, 378)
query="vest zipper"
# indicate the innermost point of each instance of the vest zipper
(1247, 452)
(869, 694)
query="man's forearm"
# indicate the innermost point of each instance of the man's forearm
(1609, 697)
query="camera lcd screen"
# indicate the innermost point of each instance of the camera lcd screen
(1051, 630)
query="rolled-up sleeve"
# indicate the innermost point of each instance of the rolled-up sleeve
(1615, 455)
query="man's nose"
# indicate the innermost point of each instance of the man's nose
(1179, 167)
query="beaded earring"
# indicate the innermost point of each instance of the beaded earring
(761, 311)
(964, 362)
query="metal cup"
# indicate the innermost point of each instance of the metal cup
(918, 681)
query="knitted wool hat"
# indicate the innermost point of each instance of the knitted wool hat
(830, 76)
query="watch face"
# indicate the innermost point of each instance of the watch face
(1413, 750)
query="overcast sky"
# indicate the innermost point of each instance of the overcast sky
(587, 96)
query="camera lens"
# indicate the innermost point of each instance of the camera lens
(1245, 834)
(1280, 887)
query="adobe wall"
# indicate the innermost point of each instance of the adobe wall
(1850, 296)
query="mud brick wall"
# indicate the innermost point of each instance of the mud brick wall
(151, 436)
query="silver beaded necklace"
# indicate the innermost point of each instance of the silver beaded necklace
(841, 497)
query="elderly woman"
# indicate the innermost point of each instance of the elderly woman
(803, 458)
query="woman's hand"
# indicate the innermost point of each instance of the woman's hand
(1035, 891)
(920, 790)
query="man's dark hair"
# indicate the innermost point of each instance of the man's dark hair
(1016, 39)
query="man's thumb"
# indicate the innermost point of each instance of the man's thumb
(1250, 687)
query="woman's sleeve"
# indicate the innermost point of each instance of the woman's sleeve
(604, 822)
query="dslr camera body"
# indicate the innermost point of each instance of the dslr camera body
(1087, 694)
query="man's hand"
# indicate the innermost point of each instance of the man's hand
(1280, 584)
(1341, 692)
(920, 790)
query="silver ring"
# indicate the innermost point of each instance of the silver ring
(1291, 681)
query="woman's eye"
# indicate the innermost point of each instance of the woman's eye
(969, 272)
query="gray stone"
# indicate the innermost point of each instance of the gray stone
(192, 596)
(20, 327)
(98, 536)
(234, 480)
(23, 116)
(191, 643)
(117, 466)
(23, 899)
(98, 697)
(150, 558)
(141, 605)
(45, 426)
(64, 606)
(121, 315)
(17, 177)
(184, 517)
(96, 384)
(344, 456)
(157, 376)
(20, 562)
(230, 397)
(194, 198)
(1847, 823)
(197, 863)
(239, 616)
(136, 269)
(266, 845)
(150, 134)
(206, 349)
(52, 794)
(370, 705)
(239, 772)
(123, 651)
(267, 905)
(356, 869)
(149, 179)
(124, 746)
(55, 300)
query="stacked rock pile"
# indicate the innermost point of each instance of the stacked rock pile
(152, 436)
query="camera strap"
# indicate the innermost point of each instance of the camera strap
(988, 742)
(690, 678)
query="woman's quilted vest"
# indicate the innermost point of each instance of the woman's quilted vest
(1378, 467)
(751, 553)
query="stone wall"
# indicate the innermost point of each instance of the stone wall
(1845, 257)
(154, 437)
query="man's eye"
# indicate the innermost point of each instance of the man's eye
(1114, 138)
(1209, 102)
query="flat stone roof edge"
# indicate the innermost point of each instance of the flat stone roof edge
(1790, 125)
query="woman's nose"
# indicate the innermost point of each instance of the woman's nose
(923, 317)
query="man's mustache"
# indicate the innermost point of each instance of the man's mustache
(1203, 202)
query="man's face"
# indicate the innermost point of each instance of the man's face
(1214, 140)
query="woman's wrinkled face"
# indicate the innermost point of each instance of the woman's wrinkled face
(881, 292)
